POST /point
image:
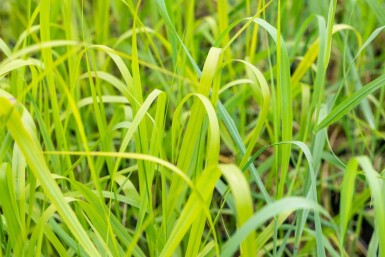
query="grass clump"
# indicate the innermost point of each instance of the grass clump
(132, 128)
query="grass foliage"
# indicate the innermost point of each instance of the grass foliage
(192, 128)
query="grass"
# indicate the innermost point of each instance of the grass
(133, 128)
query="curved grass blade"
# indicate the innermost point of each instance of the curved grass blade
(261, 81)
(223, 114)
(287, 204)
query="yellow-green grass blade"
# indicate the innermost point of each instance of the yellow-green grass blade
(235, 83)
(7, 67)
(261, 81)
(243, 204)
(347, 193)
(331, 15)
(101, 19)
(113, 80)
(319, 82)
(312, 52)
(365, 107)
(16, 230)
(157, 140)
(4, 48)
(39, 46)
(103, 99)
(144, 30)
(33, 155)
(208, 250)
(249, 20)
(214, 127)
(25, 116)
(223, 20)
(210, 67)
(254, 34)
(19, 177)
(377, 188)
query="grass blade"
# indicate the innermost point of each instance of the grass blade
(350, 102)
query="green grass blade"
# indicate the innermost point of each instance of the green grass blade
(10, 210)
(271, 210)
(377, 189)
(4, 48)
(350, 102)
(347, 193)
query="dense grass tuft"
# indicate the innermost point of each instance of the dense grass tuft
(192, 128)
